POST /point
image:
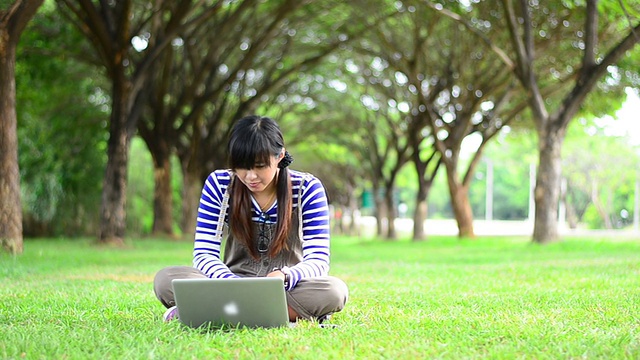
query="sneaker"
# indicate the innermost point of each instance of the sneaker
(170, 314)
(324, 318)
(323, 322)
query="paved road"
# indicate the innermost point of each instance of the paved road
(488, 228)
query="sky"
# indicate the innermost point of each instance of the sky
(626, 120)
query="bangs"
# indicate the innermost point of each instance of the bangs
(247, 152)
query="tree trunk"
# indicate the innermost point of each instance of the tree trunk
(551, 129)
(461, 208)
(391, 215)
(425, 181)
(420, 214)
(380, 213)
(354, 211)
(337, 225)
(547, 191)
(114, 191)
(191, 191)
(14, 19)
(162, 196)
(10, 204)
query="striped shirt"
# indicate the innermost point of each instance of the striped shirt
(315, 227)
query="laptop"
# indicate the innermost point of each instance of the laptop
(236, 302)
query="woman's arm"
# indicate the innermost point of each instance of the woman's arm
(315, 233)
(208, 237)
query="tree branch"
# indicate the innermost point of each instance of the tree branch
(588, 79)
(17, 17)
(591, 36)
(501, 54)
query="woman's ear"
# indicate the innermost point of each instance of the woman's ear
(281, 155)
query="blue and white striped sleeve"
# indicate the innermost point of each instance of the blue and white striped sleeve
(315, 233)
(208, 237)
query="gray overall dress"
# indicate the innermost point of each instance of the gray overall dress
(310, 298)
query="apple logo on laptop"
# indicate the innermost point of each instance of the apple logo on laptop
(231, 309)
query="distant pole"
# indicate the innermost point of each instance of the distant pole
(489, 200)
(636, 208)
(532, 189)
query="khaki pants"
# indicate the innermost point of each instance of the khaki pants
(311, 298)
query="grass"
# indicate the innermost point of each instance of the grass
(490, 298)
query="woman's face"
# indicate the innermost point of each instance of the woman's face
(258, 178)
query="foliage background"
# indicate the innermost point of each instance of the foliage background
(63, 107)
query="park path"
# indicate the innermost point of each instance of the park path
(404, 227)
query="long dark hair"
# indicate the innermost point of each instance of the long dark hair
(254, 140)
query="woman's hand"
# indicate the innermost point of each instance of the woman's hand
(277, 273)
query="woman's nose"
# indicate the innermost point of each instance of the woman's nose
(250, 175)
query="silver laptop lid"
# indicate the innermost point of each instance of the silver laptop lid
(250, 302)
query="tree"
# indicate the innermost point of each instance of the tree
(605, 175)
(13, 20)
(111, 26)
(601, 46)
(538, 34)
(250, 66)
(321, 120)
(456, 90)
(197, 91)
(427, 161)
(387, 150)
(366, 121)
(61, 132)
(391, 131)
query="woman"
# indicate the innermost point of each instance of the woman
(276, 223)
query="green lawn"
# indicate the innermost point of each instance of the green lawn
(490, 298)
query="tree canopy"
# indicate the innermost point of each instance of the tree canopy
(366, 91)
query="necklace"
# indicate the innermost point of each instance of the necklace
(264, 206)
